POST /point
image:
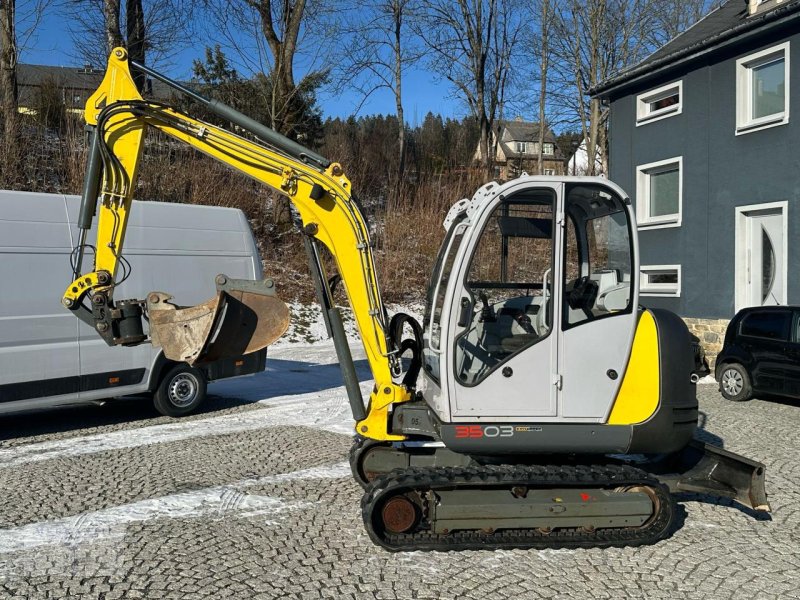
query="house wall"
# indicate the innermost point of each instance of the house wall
(720, 172)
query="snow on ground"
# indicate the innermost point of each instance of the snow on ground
(306, 325)
(302, 373)
(320, 395)
(227, 500)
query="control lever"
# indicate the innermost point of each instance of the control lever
(487, 312)
(466, 311)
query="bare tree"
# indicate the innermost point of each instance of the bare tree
(381, 50)
(472, 43)
(111, 16)
(264, 40)
(8, 68)
(265, 37)
(136, 36)
(672, 17)
(592, 40)
(150, 29)
(545, 16)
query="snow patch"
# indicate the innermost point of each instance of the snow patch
(327, 410)
(302, 386)
(219, 502)
(306, 325)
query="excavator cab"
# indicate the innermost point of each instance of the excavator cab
(531, 281)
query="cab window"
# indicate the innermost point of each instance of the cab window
(508, 282)
(598, 256)
(436, 293)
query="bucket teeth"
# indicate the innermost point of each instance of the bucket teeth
(244, 317)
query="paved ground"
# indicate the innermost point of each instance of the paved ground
(253, 499)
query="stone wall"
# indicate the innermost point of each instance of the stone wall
(711, 333)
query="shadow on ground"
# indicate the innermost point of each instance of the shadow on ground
(281, 378)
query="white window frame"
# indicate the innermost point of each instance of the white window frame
(547, 145)
(643, 113)
(659, 289)
(521, 147)
(643, 173)
(744, 96)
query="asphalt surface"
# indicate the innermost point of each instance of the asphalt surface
(252, 498)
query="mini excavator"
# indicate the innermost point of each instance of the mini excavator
(538, 405)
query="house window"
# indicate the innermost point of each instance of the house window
(548, 148)
(762, 89)
(659, 193)
(549, 172)
(660, 103)
(522, 147)
(660, 280)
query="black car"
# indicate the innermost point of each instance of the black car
(761, 353)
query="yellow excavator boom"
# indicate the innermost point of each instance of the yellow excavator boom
(320, 192)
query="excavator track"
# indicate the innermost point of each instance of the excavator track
(559, 506)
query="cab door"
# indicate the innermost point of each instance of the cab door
(599, 296)
(503, 344)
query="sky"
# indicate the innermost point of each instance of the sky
(51, 44)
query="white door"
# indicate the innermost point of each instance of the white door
(599, 313)
(762, 263)
(504, 334)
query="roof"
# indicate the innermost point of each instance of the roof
(524, 131)
(723, 25)
(78, 79)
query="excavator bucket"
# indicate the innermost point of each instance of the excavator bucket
(244, 317)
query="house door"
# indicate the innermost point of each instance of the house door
(762, 263)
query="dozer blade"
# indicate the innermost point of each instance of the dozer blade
(244, 317)
(706, 469)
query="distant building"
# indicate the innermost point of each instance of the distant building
(701, 136)
(578, 164)
(517, 150)
(75, 85)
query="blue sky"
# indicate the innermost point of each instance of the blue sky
(51, 44)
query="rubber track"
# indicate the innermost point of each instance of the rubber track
(540, 476)
(360, 446)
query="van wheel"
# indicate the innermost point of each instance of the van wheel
(734, 383)
(180, 392)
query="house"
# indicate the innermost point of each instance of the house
(75, 85)
(578, 164)
(703, 138)
(516, 146)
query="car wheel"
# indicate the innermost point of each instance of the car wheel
(180, 392)
(734, 383)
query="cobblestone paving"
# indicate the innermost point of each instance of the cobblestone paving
(271, 512)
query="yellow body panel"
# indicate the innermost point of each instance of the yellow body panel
(334, 219)
(638, 395)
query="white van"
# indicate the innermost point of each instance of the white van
(50, 358)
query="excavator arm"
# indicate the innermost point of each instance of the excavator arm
(245, 316)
